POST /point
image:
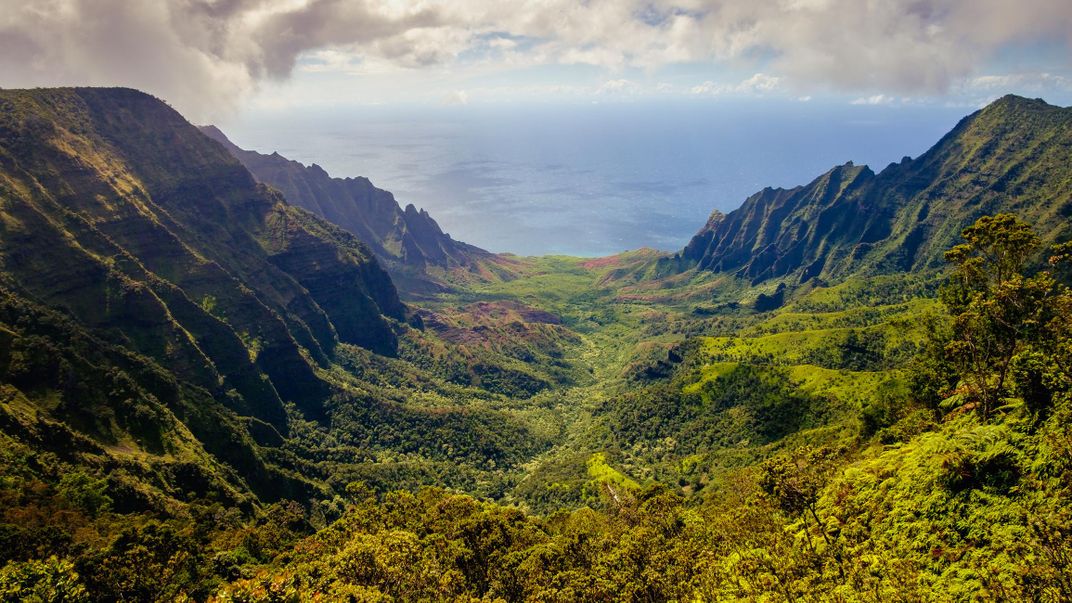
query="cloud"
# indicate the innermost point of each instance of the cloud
(875, 99)
(1021, 81)
(759, 84)
(502, 43)
(891, 47)
(897, 47)
(204, 55)
(618, 87)
(456, 98)
(707, 88)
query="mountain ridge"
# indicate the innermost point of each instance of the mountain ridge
(1011, 155)
(169, 315)
(408, 241)
(209, 303)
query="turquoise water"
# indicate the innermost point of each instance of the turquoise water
(590, 180)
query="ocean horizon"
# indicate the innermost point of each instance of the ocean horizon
(591, 179)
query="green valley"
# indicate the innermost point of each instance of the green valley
(225, 376)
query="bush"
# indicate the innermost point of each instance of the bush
(85, 492)
(42, 581)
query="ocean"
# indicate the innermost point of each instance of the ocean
(594, 179)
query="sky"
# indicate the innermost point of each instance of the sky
(215, 59)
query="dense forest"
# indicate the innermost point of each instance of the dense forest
(208, 393)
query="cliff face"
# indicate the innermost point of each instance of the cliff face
(136, 251)
(407, 241)
(777, 231)
(1015, 155)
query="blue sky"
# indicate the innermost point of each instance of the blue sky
(214, 58)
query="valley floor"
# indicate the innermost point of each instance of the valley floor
(837, 344)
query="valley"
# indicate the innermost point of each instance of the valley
(226, 376)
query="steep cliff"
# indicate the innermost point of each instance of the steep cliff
(1014, 155)
(408, 241)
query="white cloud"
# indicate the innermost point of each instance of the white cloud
(618, 87)
(207, 54)
(707, 88)
(758, 85)
(502, 43)
(1030, 81)
(876, 99)
(456, 97)
(203, 55)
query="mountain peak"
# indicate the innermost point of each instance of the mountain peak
(1014, 100)
(1012, 106)
(997, 159)
(715, 217)
(215, 134)
(200, 241)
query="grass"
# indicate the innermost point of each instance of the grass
(601, 471)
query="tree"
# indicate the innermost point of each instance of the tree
(85, 492)
(795, 482)
(998, 310)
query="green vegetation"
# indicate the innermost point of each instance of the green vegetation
(206, 394)
(910, 498)
(1014, 155)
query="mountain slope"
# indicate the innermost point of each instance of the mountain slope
(1014, 155)
(162, 312)
(135, 252)
(407, 241)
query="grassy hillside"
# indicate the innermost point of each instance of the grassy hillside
(831, 449)
(185, 326)
(752, 462)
